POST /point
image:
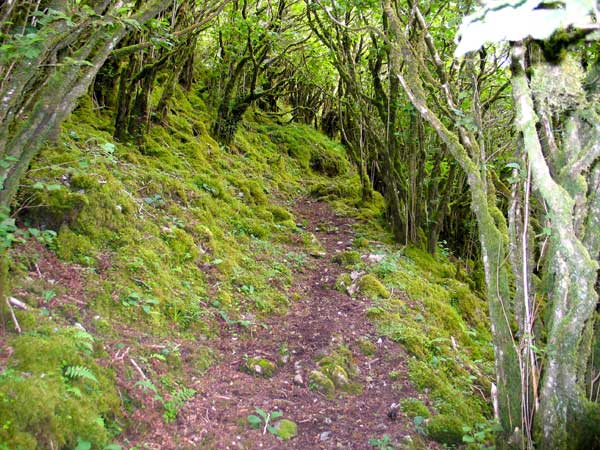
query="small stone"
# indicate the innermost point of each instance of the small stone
(327, 421)
(375, 258)
(324, 436)
(298, 380)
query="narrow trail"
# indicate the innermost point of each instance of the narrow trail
(320, 319)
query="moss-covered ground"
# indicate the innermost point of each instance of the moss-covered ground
(160, 247)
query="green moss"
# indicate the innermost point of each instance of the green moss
(261, 367)
(347, 258)
(41, 406)
(203, 358)
(343, 282)
(370, 286)
(413, 407)
(74, 247)
(280, 214)
(320, 382)
(286, 429)
(367, 347)
(446, 429)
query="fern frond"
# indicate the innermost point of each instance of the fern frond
(77, 372)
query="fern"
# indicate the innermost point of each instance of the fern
(79, 372)
(84, 341)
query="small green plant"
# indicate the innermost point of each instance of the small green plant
(263, 419)
(178, 400)
(79, 372)
(419, 423)
(481, 436)
(172, 406)
(136, 299)
(385, 443)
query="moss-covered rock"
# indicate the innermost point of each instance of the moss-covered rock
(320, 382)
(446, 429)
(286, 429)
(414, 407)
(343, 282)
(370, 286)
(339, 376)
(347, 259)
(260, 367)
(367, 347)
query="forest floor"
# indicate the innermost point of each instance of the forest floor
(316, 324)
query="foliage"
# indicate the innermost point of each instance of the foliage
(383, 443)
(273, 423)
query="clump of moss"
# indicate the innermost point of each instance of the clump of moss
(360, 242)
(336, 369)
(260, 367)
(343, 282)
(347, 258)
(280, 214)
(320, 382)
(53, 391)
(370, 286)
(286, 429)
(367, 347)
(446, 429)
(413, 407)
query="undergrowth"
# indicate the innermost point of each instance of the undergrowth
(179, 237)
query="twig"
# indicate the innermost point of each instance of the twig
(141, 372)
(266, 423)
(14, 318)
(18, 304)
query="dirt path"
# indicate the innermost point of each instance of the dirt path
(321, 319)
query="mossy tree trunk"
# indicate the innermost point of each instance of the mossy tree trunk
(561, 181)
(37, 93)
(493, 231)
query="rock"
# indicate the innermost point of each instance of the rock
(339, 376)
(343, 282)
(325, 436)
(286, 429)
(259, 367)
(375, 258)
(370, 286)
(321, 382)
(347, 258)
(298, 380)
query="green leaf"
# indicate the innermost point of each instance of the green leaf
(254, 421)
(113, 447)
(276, 415)
(83, 445)
(262, 413)
(468, 439)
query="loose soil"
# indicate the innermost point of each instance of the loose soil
(320, 319)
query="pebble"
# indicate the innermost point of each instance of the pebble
(298, 380)
(325, 435)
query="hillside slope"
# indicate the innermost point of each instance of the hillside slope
(156, 278)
